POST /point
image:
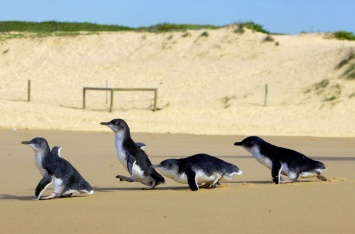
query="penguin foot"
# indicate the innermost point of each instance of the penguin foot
(209, 185)
(285, 181)
(149, 188)
(49, 197)
(152, 185)
(66, 195)
(322, 178)
(124, 178)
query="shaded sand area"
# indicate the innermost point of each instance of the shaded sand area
(248, 204)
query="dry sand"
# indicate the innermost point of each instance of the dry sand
(206, 84)
(212, 86)
(250, 203)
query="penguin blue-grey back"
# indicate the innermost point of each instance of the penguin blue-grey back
(282, 160)
(200, 170)
(65, 177)
(132, 157)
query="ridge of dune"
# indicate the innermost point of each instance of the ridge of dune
(208, 81)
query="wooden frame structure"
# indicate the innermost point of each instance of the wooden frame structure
(112, 90)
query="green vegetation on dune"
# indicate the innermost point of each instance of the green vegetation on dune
(48, 28)
(167, 27)
(344, 35)
(255, 27)
(54, 26)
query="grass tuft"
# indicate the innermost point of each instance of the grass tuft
(345, 61)
(255, 27)
(344, 35)
(54, 26)
(167, 27)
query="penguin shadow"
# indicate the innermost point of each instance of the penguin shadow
(248, 182)
(14, 197)
(300, 181)
(110, 189)
(32, 198)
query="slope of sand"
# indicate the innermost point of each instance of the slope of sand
(208, 83)
(250, 203)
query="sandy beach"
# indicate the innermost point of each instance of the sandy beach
(209, 82)
(250, 203)
(211, 93)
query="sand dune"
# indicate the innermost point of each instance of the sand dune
(209, 82)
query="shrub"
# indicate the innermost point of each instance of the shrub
(344, 35)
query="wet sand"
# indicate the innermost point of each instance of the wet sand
(250, 203)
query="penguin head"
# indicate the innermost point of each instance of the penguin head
(169, 167)
(38, 144)
(249, 142)
(117, 125)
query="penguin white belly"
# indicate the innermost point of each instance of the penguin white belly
(308, 174)
(121, 154)
(138, 175)
(228, 177)
(286, 171)
(260, 157)
(181, 178)
(201, 177)
(38, 162)
(58, 185)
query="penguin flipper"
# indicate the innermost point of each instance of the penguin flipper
(191, 179)
(276, 171)
(53, 195)
(130, 161)
(43, 184)
(140, 145)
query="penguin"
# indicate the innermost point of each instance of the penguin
(132, 157)
(66, 178)
(199, 169)
(282, 160)
(47, 179)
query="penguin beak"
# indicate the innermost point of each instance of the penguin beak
(238, 143)
(26, 142)
(105, 123)
(155, 165)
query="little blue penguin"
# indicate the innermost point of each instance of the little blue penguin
(47, 179)
(65, 177)
(132, 157)
(282, 160)
(199, 169)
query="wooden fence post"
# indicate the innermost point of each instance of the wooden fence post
(84, 96)
(266, 93)
(29, 90)
(155, 99)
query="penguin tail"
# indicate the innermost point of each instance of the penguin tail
(158, 178)
(320, 166)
